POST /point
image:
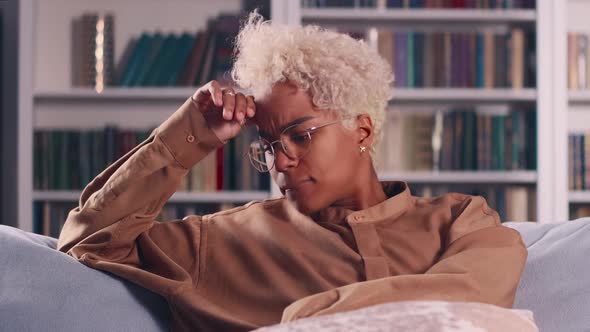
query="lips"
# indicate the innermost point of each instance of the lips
(293, 186)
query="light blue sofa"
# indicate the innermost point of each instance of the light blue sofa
(42, 289)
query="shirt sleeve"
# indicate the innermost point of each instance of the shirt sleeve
(482, 262)
(114, 228)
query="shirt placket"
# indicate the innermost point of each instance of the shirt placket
(369, 247)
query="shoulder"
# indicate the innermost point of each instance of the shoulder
(256, 209)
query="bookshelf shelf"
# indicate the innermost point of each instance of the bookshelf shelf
(118, 93)
(463, 177)
(178, 197)
(370, 15)
(464, 95)
(581, 196)
(579, 96)
(400, 94)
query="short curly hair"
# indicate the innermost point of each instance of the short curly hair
(341, 73)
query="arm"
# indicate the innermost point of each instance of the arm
(482, 262)
(115, 216)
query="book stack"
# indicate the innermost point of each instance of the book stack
(93, 51)
(188, 59)
(418, 4)
(70, 159)
(484, 138)
(579, 211)
(579, 161)
(484, 59)
(578, 61)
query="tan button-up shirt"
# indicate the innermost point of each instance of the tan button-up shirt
(264, 262)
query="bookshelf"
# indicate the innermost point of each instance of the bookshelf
(578, 108)
(47, 100)
(549, 96)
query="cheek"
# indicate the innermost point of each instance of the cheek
(333, 164)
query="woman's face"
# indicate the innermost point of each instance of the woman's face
(327, 173)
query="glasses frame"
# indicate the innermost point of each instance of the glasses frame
(308, 132)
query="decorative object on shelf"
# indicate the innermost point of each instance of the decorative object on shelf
(578, 61)
(93, 51)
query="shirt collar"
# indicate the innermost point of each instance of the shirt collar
(399, 198)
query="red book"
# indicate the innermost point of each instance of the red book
(459, 4)
(220, 168)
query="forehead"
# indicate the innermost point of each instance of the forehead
(283, 105)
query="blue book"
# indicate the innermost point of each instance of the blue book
(400, 57)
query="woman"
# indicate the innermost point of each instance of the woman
(339, 240)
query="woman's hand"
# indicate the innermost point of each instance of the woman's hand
(225, 111)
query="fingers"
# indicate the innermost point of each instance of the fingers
(209, 91)
(236, 106)
(240, 109)
(229, 103)
(251, 109)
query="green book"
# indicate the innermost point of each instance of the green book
(152, 73)
(148, 60)
(187, 42)
(171, 55)
(410, 75)
(136, 59)
(469, 141)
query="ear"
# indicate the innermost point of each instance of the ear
(365, 130)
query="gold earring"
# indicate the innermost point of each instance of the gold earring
(363, 149)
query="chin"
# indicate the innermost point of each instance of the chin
(304, 206)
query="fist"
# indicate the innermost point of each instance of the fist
(224, 110)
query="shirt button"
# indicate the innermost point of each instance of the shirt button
(357, 218)
(190, 138)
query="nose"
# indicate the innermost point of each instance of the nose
(282, 161)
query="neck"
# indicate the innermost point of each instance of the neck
(368, 192)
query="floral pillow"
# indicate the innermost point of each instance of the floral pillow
(417, 316)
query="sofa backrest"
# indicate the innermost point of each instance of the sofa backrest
(555, 284)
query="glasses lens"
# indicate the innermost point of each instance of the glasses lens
(261, 155)
(296, 141)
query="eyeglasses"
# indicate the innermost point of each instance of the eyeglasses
(295, 141)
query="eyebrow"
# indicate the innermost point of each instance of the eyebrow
(292, 123)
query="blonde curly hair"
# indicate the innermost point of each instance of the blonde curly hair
(342, 74)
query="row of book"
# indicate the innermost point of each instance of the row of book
(485, 59)
(49, 217)
(578, 61)
(456, 4)
(189, 59)
(484, 138)
(512, 202)
(579, 211)
(70, 159)
(153, 58)
(579, 161)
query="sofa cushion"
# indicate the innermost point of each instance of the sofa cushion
(431, 316)
(555, 283)
(42, 289)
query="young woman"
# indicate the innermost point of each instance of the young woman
(338, 240)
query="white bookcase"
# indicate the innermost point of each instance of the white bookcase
(579, 100)
(46, 99)
(550, 95)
